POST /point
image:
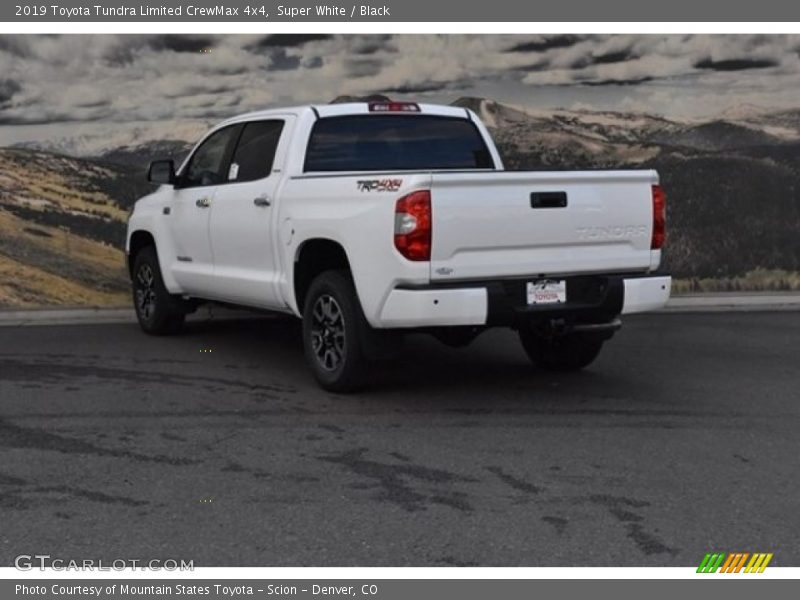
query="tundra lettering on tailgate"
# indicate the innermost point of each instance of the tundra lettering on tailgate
(611, 232)
(379, 185)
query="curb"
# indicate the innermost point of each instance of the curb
(101, 316)
(679, 304)
(66, 316)
(742, 302)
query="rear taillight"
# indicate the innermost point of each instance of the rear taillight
(659, 218)
(412, 225)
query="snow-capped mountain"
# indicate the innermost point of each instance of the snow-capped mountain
(125, 138)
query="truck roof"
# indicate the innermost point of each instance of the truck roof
(350, 108)
(363, 108)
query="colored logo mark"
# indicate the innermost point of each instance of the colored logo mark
(734, 562)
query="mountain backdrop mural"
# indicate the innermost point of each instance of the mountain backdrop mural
(71, 165)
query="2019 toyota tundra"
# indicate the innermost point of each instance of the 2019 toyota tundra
(372, 219)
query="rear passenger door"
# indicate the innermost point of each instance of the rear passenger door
(243, 218)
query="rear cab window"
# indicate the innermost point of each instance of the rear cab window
(395, 143)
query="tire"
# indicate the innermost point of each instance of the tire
(158, 311)
(334, 329)
(571, 352)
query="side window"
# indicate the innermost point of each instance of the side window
(208, 165)
(255, 151)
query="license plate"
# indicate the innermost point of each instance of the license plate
(547, 291)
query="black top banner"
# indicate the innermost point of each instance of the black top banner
(400, 11)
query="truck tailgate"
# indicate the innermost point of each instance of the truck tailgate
(505, 224)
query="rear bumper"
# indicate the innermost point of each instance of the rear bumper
(645, 293)
(435, 307)
(590, 299)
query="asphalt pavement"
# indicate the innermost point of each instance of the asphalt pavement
(216, 446)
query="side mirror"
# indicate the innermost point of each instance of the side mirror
(161, 171)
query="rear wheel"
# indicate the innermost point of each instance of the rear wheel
(570, 352)
(158, 311)
(334, 328)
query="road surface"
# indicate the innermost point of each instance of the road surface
(216, 446)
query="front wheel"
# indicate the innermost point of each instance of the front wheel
(570, 352)
(333, 331)
(157, 311)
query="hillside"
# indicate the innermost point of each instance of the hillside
(62, 230)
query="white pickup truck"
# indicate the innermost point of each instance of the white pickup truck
(372, 219)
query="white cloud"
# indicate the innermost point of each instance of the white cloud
(119, 79)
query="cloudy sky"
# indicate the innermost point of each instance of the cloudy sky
(72, 84)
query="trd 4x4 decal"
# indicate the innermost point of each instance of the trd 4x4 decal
(379, 185)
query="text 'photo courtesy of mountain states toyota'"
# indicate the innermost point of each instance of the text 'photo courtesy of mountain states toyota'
(372, 219)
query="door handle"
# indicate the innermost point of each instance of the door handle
(203, 202)
(262, 201)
